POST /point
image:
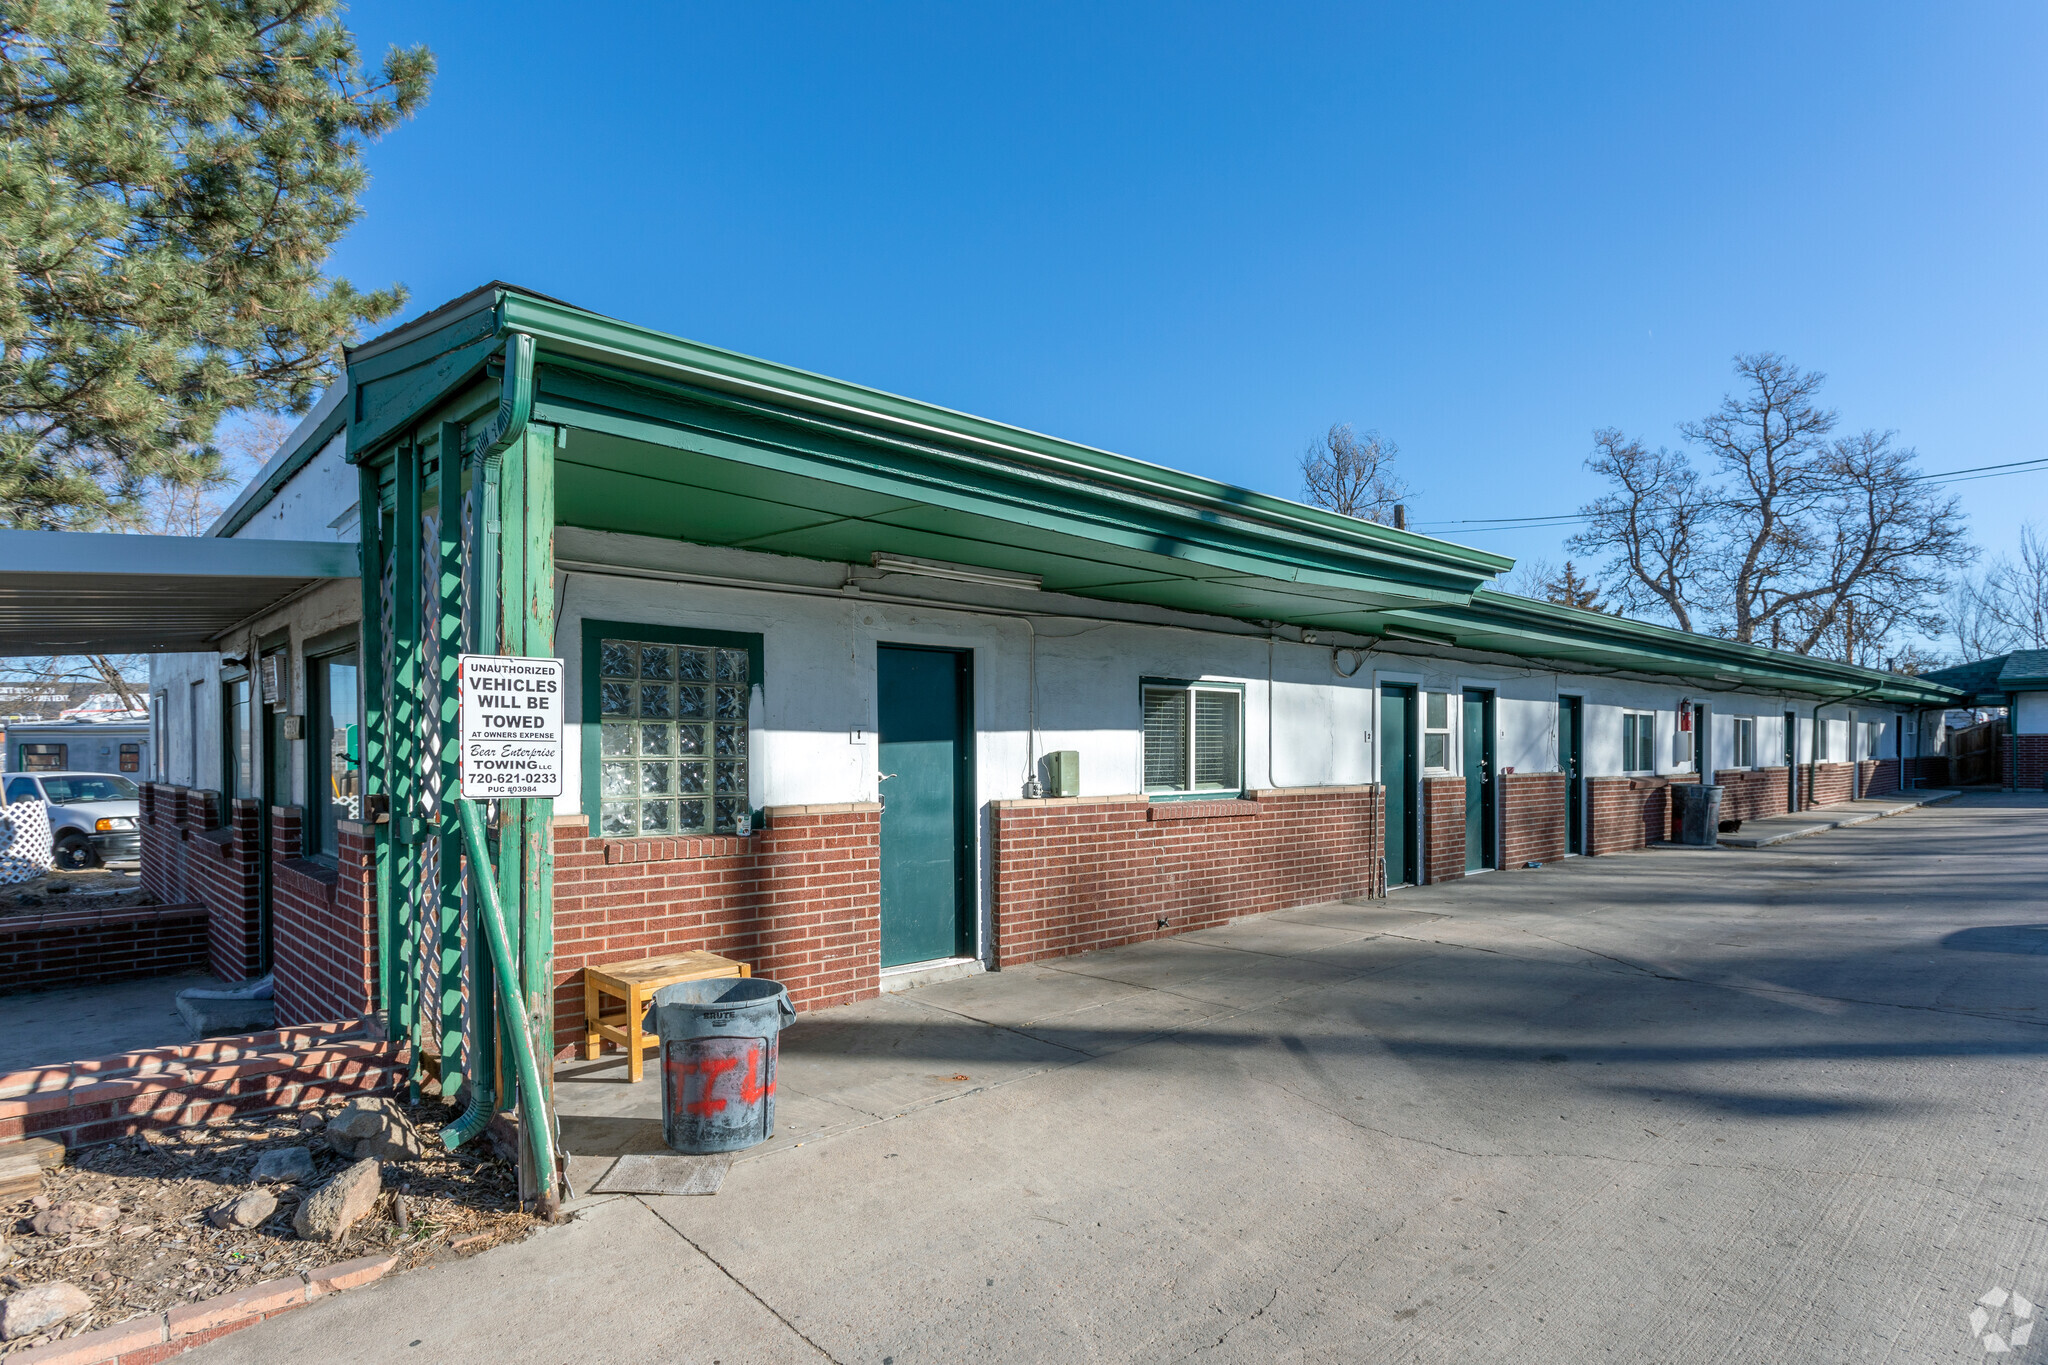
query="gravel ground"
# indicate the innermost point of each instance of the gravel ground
(162, 1251)
(95, 888)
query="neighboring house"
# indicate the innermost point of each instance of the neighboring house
(121, 743)
(2018, 684)
(862, 689)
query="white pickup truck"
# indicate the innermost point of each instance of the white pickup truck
(94, 817)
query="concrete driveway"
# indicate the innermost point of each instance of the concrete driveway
(1675, 1106)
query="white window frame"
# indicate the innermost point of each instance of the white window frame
(1644, 744)
(1448, 730)
(1744, 739)
(1190, 758)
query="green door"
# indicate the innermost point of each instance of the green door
(1478, 749)
(1569, 740)
(924, 727)
(1397, 776)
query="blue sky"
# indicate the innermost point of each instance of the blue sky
(1200, 234)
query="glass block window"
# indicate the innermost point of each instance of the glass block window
(674, 746)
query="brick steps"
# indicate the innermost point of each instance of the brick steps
(105, 1098)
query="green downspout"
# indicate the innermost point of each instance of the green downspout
(510, 1003)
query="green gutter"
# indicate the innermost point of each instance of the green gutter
(1662, 648)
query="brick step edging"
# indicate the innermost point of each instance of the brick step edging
(159, 1336)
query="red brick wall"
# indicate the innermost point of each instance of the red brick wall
(323, 923)
(2023, 761)
(105, 1098)
(1880, 776)
(1079, 873)
(189, 856)
(1630, 812)
(1825, 784)
(170, 817)
(217, 867)
(1752, 793)
(72, 947)
(1533, 815)
(1443, 829)
(799, 901)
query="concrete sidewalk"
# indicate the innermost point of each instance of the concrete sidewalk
(1776, 829)
(1767, 1106)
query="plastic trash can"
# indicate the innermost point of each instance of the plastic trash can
(1699, 813)
(719, 1044)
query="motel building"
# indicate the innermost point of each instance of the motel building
(865, 692)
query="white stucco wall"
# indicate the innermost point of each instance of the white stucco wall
(2030, 714)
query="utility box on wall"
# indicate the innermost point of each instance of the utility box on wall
(1063, 772)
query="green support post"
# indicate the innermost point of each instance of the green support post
(487, 1096)
(404, 749)
(370, 518)
(447, 625)
(511, 813)
(537, 606)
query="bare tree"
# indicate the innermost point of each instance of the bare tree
(1656, 524)
(2013, 595)
(1528, 577)
(1973, 623)
(1352, 474)
(1801, 540)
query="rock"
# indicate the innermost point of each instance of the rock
(330, 1211)
(61, 1220)
(293, 1165)
(312, 1123)
(32, 1310)
(373, 1128)
(246, 1212)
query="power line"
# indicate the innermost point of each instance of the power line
(1476, 525)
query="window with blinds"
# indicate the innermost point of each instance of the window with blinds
(1194, 738)
(673, 755)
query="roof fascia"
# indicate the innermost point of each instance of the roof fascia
(308, 439)
(566, 331)
(110, 553)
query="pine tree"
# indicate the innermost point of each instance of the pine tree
(173, 176)
(1572, 589)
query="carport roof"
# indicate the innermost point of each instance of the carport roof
(73, 592)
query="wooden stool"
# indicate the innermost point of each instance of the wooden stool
(635, 983)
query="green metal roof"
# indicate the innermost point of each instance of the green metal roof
(79, 592)
(674, 439)
(2025, 670)
(1989, 682)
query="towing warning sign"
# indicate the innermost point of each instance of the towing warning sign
(511, 726)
